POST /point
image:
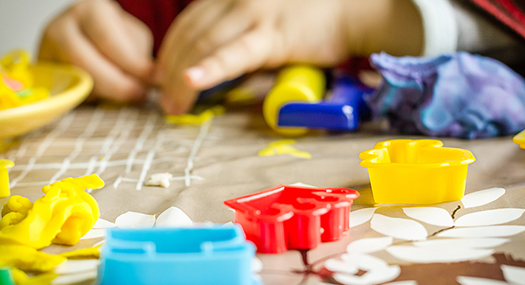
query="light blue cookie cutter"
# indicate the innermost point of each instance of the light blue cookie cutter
(202, 255)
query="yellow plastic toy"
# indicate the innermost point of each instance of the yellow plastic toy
(4, 177)
(62, 216)
(416, 171)
(520, 139)
(299, 83)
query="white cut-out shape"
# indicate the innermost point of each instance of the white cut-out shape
(300, 184)
(398, 228)
(103, 224)
(430, 215)
(135, 220)
(74, 278)
(94, 233)
(406, 282)
(159, 179)
(363, 261)
(173, 217)
(72, 266)
(490, 217)
(361, 216)
(228, 224)
(466, 280)
(374, 276)
(482, 197)
(437, 254)
(369, 245)
(489, 231)
(257, 265)
(514, 274)
(463, 242)
(335, 265)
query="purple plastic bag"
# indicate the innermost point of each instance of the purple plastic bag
(453, 95)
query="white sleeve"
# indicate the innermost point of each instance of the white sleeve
(439, 26)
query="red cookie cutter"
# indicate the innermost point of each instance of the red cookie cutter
(289, 217)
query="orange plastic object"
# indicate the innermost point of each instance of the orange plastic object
(520, 139)
(416, 171)
(4, 177)
(289, 217)
(62, 216)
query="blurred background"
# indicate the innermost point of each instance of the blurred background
(22, 22)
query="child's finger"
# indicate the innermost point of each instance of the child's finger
(110, 82)
(227, 28)
(177, 99)
(179, 39)
(106, 28)
(246, 54)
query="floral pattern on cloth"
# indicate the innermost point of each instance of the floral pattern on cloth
(453, 95)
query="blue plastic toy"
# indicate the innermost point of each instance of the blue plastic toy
(207, 255)
(342, 111)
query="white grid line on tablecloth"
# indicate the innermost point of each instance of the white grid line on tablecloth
(79, 143)
(128, 127)
(60, 129)
(111, 139)
(204, 129)
(139, 144)
(149, 159)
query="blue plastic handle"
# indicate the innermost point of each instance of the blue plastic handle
(342, 111)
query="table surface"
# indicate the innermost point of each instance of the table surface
(218, 160)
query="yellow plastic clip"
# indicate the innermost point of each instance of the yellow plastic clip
(62, 216)
(4, 177)
(299, 83)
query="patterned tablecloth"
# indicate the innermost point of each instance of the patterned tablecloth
(479, 237)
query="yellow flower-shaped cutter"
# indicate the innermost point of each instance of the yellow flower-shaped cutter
(416, 171)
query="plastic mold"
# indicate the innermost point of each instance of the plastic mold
(520, 139)
(210, 255)
(289, 217)
(342, 111)
(416, 171)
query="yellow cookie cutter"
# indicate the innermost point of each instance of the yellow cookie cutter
(416, 171)
(520, 139)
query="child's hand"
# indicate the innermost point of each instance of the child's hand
(216, 40)
(113, 46)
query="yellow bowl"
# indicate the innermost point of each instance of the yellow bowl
(520, 139)
(68, 86)
(416, 171)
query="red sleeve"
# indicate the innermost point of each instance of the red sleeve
(156, 14)
(508, 13)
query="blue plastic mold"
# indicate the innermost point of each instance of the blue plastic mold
(208, 255)
(342, 111)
